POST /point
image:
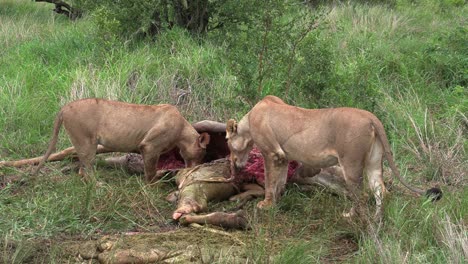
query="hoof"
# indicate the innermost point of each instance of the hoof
(181, 211)
(177, 215)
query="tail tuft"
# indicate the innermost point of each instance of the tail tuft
(434, 194)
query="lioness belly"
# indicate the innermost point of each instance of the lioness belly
(119, 146)
(123, 135)
(319, 161)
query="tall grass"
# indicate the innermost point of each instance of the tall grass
(438, 236)
(406, 62)
(73, 63)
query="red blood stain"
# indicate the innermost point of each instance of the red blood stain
(253, 172)
(171, 160)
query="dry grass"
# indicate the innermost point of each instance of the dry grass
(48, 61)
(440, 150)
(23, 29)
(454, 237)
(436, 146)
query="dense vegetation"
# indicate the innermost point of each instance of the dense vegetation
(404, 60)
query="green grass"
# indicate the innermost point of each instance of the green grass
(405, 62)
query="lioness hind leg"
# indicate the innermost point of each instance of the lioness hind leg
(86, 152)
(374, 175)
(353, 179)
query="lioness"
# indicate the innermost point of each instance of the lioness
(147, 129)
(317, 138)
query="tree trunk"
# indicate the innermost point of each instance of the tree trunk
(63, 8)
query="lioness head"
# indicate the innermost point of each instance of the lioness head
(195, 154)
(239, 142)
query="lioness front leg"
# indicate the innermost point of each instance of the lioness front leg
(249, 191)
(150, 159)
(276, 172)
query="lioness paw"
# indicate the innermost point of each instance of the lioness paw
(265, 204)
(279, 158)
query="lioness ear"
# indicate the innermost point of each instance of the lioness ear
(204, 140)
(231, 128)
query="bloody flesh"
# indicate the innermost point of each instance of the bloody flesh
(253, 172)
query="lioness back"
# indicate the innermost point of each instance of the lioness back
(118, 125)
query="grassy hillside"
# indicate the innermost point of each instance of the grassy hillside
(406, 62)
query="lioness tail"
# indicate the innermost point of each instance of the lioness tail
(389, 157)
(52, 143)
